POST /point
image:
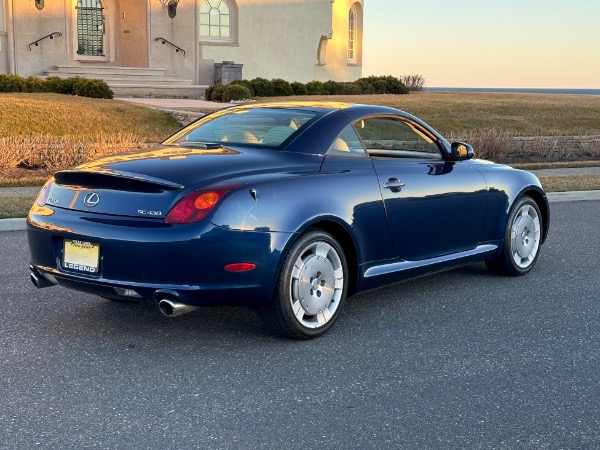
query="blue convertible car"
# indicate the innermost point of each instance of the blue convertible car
(285, 208)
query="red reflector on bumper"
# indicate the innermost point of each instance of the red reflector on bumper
(240, 267)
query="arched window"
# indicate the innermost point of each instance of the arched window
(216, 20)
(352, 34)
(90, 28)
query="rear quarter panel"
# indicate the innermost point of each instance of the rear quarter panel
(345, 191)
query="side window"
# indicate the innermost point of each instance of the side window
(394, 138)
(347, 144)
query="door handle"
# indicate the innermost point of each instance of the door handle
(394, 185)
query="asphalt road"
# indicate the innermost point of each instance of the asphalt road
(462, 359)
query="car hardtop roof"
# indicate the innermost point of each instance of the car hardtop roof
(324, 107)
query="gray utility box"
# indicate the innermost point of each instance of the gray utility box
(227, 71)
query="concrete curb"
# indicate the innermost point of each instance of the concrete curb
(13, 224)
(553, 197)
(573, 196)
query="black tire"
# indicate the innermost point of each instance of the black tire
(311, 288)
(522, 240)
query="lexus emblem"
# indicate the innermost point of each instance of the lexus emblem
(91, 199)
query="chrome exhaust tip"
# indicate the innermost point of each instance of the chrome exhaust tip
(172, 308)
(39, 281)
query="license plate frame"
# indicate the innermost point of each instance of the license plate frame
(81, 256)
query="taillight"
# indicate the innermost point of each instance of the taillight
(194, 207)
(44, 193)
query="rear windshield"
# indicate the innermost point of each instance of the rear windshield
(259, 127)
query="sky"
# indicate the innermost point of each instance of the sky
(485, 43)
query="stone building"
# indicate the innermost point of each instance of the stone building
(170, 43)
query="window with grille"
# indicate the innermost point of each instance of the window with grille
(215, 20)
(90, 28)
(352, 34)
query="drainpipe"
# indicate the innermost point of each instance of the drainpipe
(10, 32)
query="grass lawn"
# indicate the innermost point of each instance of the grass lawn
(460, 112)
(59, 115)
(15, 206)
(571, 183)
(25, 116)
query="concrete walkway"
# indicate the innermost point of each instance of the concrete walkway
(175, 103)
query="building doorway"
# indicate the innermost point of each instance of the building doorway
(133, 31)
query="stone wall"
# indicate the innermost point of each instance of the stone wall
(556, 146)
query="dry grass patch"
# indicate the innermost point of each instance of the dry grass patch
(12, 207)
(53, 153)
(515, 113)
(70, 116)
(571, 183)
(557, 165)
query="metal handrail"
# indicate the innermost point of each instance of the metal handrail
(164, 41)
(50, 36)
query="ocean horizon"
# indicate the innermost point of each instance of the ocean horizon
(516, 90)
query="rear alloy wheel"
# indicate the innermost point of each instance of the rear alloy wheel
(311, 288)
(522, 240)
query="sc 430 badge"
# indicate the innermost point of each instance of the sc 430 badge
(149, 213)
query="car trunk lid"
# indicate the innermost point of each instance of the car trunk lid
(148, 183)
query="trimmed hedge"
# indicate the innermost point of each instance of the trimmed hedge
(261, 87)
(83, 87)
(236, 92)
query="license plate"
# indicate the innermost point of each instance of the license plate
(80, 255)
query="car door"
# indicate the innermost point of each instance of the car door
(434, 206)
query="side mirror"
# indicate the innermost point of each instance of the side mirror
(462, 151)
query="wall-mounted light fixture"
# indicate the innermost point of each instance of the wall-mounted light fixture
(39, 4)
(171, 7)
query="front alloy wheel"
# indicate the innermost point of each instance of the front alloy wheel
(311, 288)
(522, 239)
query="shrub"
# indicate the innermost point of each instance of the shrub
(208, 92)
(262, 87)
(217, 93)
(315, 88)
(245, 83)
(413, 82)
(365, 87)
(92, 88)
(68, 85)
(59, 85)
(488, 143)
(350, 88)
(394, 85)
(298, 88)
(281, 88)
(35, 84)
(333, 87)
(12, 83)
(382, 85)
(236, 92)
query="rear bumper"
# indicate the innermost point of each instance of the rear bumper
(157, 260)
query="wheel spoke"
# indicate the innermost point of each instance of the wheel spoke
(323, 317)
(297, 268)
(298, 310)
(322, 249)
(339, 279)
